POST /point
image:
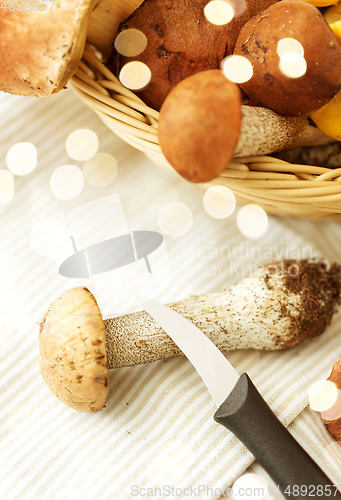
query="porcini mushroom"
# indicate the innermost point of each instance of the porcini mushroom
(199, 125)
(182, 41)
(73, 358)
(276, 307)
(289, 80)
(202, 125)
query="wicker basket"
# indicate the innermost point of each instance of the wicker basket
(279, 187)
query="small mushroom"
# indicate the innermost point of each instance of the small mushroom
(318, 58)
(202, 125)
(199, 125)
(277, 307)
(72, 357)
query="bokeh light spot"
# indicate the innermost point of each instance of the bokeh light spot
(251, 485)
(100, 170)
(6, 187)
(238, 69)
(82, 144)
(322, 395)
(219, 12)
(252, 221)
(175, 219)
(293, 69)
(21, 158)
(291, 54)
(67, 182)
(131, 42)
(158, 194)
(135, 75)
(219, 202)
(334, 412)
(290, 50)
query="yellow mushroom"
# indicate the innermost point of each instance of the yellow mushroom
(327, 118)
(321, 3)
(333, 18)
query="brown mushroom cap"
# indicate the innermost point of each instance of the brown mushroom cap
(258, 42)
(199, 125)
(40, 50)
(72, 351)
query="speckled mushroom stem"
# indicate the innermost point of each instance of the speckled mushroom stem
(263, 132)
(277, 307)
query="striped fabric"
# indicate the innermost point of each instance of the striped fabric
(157, 429)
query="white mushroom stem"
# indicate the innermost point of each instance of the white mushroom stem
(263, 132)
(260, 312)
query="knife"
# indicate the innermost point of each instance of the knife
(243, 411)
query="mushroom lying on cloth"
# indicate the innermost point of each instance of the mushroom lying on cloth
(278, 306)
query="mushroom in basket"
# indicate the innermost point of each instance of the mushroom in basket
(54, 40)
(203, 125)
(199, 126)
(181, 41)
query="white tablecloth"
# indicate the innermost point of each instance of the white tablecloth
(157, 429)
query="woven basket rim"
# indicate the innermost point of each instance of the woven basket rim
(276, 185)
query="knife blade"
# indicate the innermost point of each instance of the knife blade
(243, 411)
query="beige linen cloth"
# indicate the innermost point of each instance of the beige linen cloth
(157, 429)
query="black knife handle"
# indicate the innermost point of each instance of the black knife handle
(251, 420)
